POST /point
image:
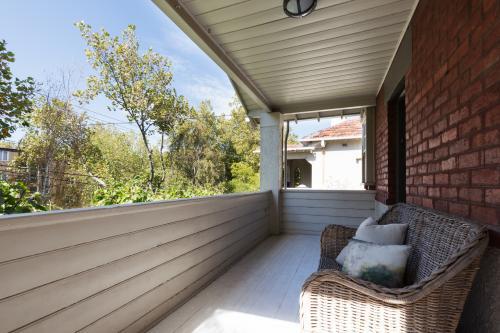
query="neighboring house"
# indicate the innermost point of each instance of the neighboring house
(328, 159)
(6, 156)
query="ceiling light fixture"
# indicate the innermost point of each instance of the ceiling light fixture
(298, 8)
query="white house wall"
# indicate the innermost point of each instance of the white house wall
(337, 167)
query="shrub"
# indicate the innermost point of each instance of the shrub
(15, 198)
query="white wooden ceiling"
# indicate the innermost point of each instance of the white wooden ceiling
(340, 52)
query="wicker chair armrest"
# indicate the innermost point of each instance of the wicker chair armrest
(334, 238)
(328, 279)
(333, 302)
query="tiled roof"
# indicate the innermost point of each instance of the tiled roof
(297, 147)
(348, 128)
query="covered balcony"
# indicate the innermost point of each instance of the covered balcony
(423, 75)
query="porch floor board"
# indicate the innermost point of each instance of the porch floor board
(260, 293)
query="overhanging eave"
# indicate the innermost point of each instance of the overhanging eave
(183, 19)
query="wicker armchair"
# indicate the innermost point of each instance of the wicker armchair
(443, 262)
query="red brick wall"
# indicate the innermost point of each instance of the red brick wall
(452, 111)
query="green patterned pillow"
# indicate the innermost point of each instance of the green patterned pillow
(380, 264)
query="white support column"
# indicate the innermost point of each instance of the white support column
(271, 160)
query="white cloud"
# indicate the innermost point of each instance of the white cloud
(179, 41)
(196, 76)
(210, 88)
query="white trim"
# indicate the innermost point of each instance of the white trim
(14, 221)
(407, 24)
(7, 155)
(309, 190)
(331, 138)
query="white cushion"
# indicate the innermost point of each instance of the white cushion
(368, 221)
(369, 231)
(381, 264)
(385, 234)
(341, 257)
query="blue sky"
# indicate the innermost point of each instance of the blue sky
(45, 41)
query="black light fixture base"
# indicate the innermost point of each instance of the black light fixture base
(299, 8)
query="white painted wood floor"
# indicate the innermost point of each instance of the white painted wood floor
(260, 293)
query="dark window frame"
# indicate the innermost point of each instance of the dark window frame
(396, 113)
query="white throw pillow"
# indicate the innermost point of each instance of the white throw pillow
(366, 222)
(369, 231)
(385, 234)
(341, 257)
(381, 264)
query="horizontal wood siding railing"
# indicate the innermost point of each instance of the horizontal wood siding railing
(307, 211)
(122, 267)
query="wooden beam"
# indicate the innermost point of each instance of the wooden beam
(407, 24)
(327, 105)
(239, 95)
(323, 114)
(201, 37)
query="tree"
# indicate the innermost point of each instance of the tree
(244, 178)
(242, 136)
(293, 139)
(139, 84)
(242, 140)
(165, 120)
(55, 151)
(197, 148)
(15, 95)
(121, 156)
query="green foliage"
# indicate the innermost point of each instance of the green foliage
(241, 137)
(196, 148)
(15, 95)
(293, 139)
(244, 178)
(56, 150)
(121, 155)
(130, 191)
(242, 140)
(139, 84)
(208, 155)
(135, 190)
(16, 198)
(183, 188)
(297, 177)
(74, 164)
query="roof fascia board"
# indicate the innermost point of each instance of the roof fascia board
(328, 105)
(331, 138)
(188, 24)
(238, 94)
(403, 31)
(323, 114)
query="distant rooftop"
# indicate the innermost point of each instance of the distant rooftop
(298, 147)
(350, 128)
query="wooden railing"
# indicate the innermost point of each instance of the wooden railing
(309, 211)
(120, 267)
